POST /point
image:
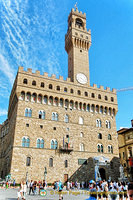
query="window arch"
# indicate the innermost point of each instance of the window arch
(86, 94)
(41, 114)
(39, 98)
(54, 116)
(25, 142)
(105, 110)
(108, 124)
(22, 97)
(110, 149)
(66, 163)
(98, 123)
(92, 95)
(28, 96)
(45, 99)
(65, 89)
(66, 103)
(97, 109)
(88, 107)
(100, 148)
(61, 102)
(42, 84)
(112, 99)
(50, 162)
(106, 98)
(40, 143)
(71, 91)
(50, 100)
(81, 134)
(50, 86)
(28, 161)
(58, 88)
(101, 109)
(81, 120)
(99, 136)
(79, 22)
(79, 92)
(34, 83)
(56, 101)
(71, 104)
(99, 96)
(82, 147)
(25, 81)
(109, 111)
(28, 112)
(109, 137)
(34, 97)
(66, 118)
(92, 108)
(54, 144)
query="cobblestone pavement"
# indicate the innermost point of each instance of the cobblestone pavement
(11, 194)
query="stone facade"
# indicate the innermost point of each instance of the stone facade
(125, 139)
(57, 124)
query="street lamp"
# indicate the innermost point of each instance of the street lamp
(45, 172)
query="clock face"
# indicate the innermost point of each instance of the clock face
(81, 78)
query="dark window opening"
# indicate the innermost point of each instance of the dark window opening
(42, 84)
(27, 125)
(28, 161)
(25, 81)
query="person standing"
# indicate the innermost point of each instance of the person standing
(24, 190)
(60, 188)
(130, 191)
(31, 187)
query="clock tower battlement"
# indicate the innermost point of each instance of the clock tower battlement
(77, 44)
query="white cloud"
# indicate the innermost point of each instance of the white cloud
(6, 69)
(3, 112)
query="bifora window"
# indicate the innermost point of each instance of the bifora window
(28, 112)
(40, 143)
(55, 116)
(25, 142)
(100, 148)
(54, 144)
(66, 118)
(41, 114)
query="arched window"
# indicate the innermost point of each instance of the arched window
(42, 84)
(28, 161)
(25, 142)
(92, 108)
(109, 111)
(80, 106)
(51, 162)
(25, 81)
(101, 109)
(99, 136)
(40, 143)
(97, 109)
(61, 102)
(106, 98)
(81, 134)
(109, 137)
(65, 89)
(39, 98)
(86, 94)
(108, 124)
(58, 88)
(113, 112)
(66, 118)
(28, 112)
(56, 101)
(22, 97)
(105, 110)
(99, 96)
(110, 149)
(98, 123)
(66, 103)
(33, 97)
(34, 83)
(76, 105)
(88, 107)
(71, 91)
(50, 100)
(84, 107)
(54, 144)
(100, 148)
(81, 147)
(92, 95)
(81, 120)
(50, 86)
(66, 163)
(79, 22)
(28, 96)
(45, 99)
(79, 92)
(112, 99)
(71, 104)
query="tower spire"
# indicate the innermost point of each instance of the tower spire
(76, 6)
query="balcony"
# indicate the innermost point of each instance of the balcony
(66, 148)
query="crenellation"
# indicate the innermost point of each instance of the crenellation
(101, 87)
(53, 76)
(95, 85)
(45, 74)
(68, 79)
(20, 69)
(37, 72)
(61, 78)
(114, 90)
(108, 89)
(29, 70)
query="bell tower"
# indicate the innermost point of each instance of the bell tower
(77, 44)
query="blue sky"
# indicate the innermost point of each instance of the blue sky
(32, 35)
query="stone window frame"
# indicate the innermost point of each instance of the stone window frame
(40, 143)
(55, 116)
(108, 124)
(34, 83)
(66, 163)
(100, 148)
(25, 81)
(98, 123)
(54, 144)
(51, 162)
(81, 120)
(66, 119)
(99, 136)
(28, 112)
(110, 149)
(25, 142)
(41, 114)
(28, 161)
(81, 147)
(109, 137)
(42, 85)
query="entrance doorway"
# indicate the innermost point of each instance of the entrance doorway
(102, 173)
(65, 178)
